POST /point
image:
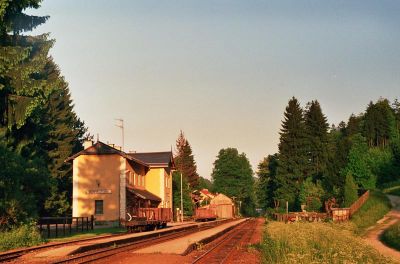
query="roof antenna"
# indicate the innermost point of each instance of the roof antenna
(97, 137)
(121, 125)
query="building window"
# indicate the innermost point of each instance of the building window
(134, 179)
(98, 207)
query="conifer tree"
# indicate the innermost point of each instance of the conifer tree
(184, 161)
(292, 165)
(317, 140)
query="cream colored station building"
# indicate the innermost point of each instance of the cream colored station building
(109, 183)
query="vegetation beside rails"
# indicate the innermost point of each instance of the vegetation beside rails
(373, 209)
(23, 236)
(316, 243)
(391, 236)
(28, 236)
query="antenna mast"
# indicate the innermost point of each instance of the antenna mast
(121, 125)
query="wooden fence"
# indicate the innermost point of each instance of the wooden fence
(63, 225)
(300, 216)
(338, 214)
(344, 214)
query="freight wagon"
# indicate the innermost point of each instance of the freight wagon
(205, 214)
(148, 219)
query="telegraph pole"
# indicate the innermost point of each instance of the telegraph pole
(121, 125)
(181, 200)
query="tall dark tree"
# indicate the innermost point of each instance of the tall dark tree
(266, 181)
(317, 140)
(379, 123)
(64, 134)
(184, 161)
(37, 121)
(292, 165)
(232, 175)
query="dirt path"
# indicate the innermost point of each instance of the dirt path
(389, 219)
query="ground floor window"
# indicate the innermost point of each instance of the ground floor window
(98, 207)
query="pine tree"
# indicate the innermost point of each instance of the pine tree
(184, 161)
(37, 121)
(232, 175)
(317, 140)
(292, 165)
(64, 135)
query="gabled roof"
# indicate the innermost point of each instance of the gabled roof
(100, 148)
(154, 159)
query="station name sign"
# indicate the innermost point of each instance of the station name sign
(99, 191)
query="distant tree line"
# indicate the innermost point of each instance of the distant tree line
(316, 162)
(38, 126)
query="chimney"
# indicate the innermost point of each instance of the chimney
(87, 144)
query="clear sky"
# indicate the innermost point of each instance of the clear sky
(222, 71)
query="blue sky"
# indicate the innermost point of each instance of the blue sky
(221, 71)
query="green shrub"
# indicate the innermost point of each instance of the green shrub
(23, 236)
(373, 209)
(391, 236)
(350, 191)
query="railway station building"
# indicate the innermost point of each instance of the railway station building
(109, 183)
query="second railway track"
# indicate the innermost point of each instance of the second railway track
(221, 251)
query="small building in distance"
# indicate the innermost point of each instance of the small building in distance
(109, 183)
(224, 206)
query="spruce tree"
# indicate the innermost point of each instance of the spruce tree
(184, 161)
(292, 165)
(317, 140)
(37, 121)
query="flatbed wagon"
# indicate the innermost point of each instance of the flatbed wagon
(148, 219)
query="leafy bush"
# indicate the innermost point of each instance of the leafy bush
(391, 236)
(316, 243)
(23, 236)
(311, 195)
(373, 209)
(350, 191)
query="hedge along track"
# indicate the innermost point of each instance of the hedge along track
(103, 253)
(221, 251)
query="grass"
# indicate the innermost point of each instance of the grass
(316, 243)
(28, 235)
(374, 209)
(23, 236)
(391, 236)
(394, 191)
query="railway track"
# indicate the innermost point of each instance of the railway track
(105, 253)
(222, 251)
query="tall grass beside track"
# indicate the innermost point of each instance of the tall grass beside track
(23, 236)
(316, 243)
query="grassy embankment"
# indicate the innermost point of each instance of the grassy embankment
(374, 209)
(391, 236)
(27, 236)
(325, 242)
